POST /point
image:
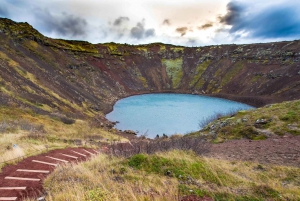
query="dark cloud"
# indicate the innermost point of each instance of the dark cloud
(3, 11)
(167, 22)
(150, 32)
(120, 20)
(234, 13)
(277, 21)
(182, 30)
(63, 24)
(140, 32)
(206, 26)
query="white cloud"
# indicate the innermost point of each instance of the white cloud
(138, 21)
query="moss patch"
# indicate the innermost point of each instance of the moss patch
(233, 72)
(174, 70)
(199, 71)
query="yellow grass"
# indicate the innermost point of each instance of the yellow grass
(110, 178)
(100, 179)
(22, 133)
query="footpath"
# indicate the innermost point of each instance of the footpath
(25, 179)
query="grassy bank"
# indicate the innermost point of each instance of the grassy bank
(258, 124)
(169, 176)
(24, 132)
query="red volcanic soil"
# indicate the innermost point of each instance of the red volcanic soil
(275, 150)
(34, 189)
(195, 198)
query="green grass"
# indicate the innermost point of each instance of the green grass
(143, 177)
(281, 118)
(181, 169)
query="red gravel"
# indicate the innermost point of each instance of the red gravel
(195, 198)
(35, 188)
(275, 150)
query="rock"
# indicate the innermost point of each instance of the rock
(244, 119)
(260, 122)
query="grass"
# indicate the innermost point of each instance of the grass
(31, 133)
(106, 178)
(280, 119)
(169, 176)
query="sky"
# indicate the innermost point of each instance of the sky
(179, 22)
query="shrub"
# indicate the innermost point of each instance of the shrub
(265, 191)
(249, 133)
(137, 160)
(67, 120)
(290, 116)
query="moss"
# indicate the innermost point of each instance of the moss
(142, 48)
(200, 83)
(255, 78)
(162, 48)
(174, 70)
(136, 72)
(144, 81)
(77, 46)
(232, 72)
(199, 71)
(113, 49)
(177, 49)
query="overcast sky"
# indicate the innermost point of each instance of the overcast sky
(180, 22)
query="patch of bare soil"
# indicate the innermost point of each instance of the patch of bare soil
(195, 198)
(275, 150)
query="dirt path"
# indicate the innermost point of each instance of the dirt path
(25, 179)
(275, 150)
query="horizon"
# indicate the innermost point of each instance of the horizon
(190, 23)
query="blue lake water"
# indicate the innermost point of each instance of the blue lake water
(153, 114)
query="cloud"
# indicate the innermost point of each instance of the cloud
(167, 22)
(182, 30)
(234, 13)
(137, 31)
(150, 32)
(276, 21)
(64, 24)
(205, 26)
(119, 21)
(140, 32)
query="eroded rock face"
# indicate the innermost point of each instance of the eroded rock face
(83, 79)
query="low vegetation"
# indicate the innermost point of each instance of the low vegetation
(261, 123)
(170, 176)
(24, 132)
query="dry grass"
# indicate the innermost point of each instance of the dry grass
(23, 132)
(111, 178)
(106, 178)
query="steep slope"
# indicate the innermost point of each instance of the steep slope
(82, 79)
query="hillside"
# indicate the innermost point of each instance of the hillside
(80, 79)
